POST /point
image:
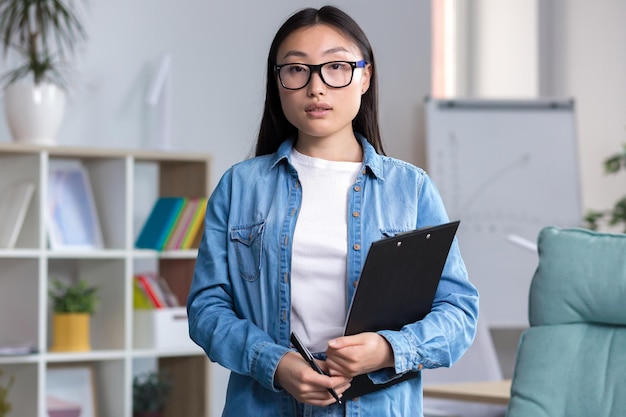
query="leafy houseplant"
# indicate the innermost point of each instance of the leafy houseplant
(78, 297)
(5, 406)
(150, 393)
(617, 215)
(73, 304)
(42, 34)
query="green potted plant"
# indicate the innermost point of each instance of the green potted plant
(150, 393)
(42, 34)
(73, 304)
(617, 215)
(5, 406)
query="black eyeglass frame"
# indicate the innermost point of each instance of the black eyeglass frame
(318, 69)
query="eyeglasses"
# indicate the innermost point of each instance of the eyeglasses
(335, 74)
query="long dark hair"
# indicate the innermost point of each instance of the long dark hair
(275, 127)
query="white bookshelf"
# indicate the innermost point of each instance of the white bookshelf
(125, 184)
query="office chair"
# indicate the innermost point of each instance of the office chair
(571, 361)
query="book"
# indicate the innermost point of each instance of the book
(157, 287)
(150, 291)
(13, 349)
(195, 229)
(141, 299)
(14, 205)
(158, 224)
(182, 225)
(172, 222)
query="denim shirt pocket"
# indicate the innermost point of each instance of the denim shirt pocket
(248, 241)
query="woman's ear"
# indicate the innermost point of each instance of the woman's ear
(365, 78)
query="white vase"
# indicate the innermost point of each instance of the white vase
(34, 112)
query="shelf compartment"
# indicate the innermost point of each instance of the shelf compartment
(189, 394)
(108, 323)
(94, 384)
(107, 180)
(25, 390)
(19, 298)
(15, 168)
(154, 178)
(189, 383)
(177, 272)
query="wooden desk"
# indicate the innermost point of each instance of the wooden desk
(491, 392)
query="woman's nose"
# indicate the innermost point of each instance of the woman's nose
(316, 85)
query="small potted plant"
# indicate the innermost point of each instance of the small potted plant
(72, 304)
(43, 34)
(150, 393)
(616, 216)
(5, 406)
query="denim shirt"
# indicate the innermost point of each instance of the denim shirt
(239, 301)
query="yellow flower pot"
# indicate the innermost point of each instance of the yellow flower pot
(70, 332)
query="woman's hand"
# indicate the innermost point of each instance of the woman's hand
(359, 354)
(307, 386)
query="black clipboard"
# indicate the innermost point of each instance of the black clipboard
(397, 287)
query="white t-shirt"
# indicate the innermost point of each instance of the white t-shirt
(320, 245)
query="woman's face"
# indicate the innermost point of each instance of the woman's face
(317, 110)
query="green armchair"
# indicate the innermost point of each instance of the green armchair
(571, 362)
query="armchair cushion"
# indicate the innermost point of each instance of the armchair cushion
(571, 362)
(581, 278)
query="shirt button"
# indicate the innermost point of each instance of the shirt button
(355, 214)
(356, 246)
(419, 367)
(355, 283)
(357, 188)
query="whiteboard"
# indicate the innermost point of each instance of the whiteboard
(505, 168)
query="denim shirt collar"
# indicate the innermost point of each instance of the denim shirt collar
(371, 159)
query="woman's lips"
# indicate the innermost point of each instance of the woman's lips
(317, 110)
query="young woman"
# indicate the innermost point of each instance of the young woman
(287, 232)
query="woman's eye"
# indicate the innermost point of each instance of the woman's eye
(337, 66)
(297, 68)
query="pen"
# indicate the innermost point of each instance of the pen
(309, 358)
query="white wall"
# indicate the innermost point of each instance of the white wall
(589, 63)
(219, 50)
(502, 59)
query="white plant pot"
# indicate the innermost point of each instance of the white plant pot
(34, 112)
